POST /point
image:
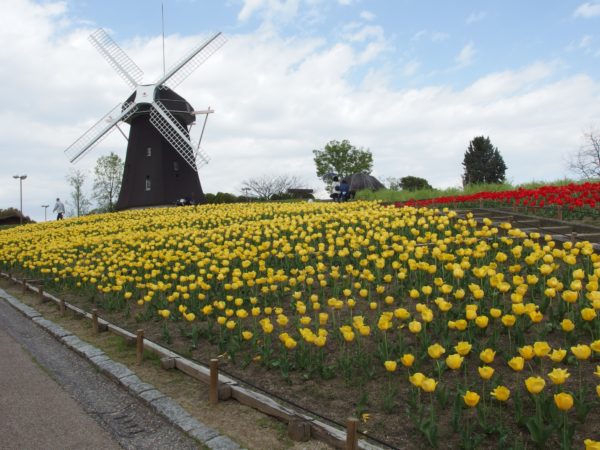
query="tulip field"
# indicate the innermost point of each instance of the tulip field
(434, 330)
(576, 201)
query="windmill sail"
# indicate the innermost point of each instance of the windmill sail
(99, 130)
(116, 57)
(175, 134)
(192, 61)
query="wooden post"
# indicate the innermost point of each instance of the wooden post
(41, 292)
(351, 434)
(24, 285)
(559, 212)
(139, 346)
(480, 203)
(213, 393)
(514, 207)
(95, 326)
(573, 237)
(62, 307)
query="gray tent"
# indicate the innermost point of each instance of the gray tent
(359, 181)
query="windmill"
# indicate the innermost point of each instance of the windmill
(161, 165)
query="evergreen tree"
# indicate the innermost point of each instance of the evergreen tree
(483, 163)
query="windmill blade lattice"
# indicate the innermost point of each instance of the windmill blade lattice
(175, 134)
(191, 62)
(201, 157)
(99, 130)
(116, 57)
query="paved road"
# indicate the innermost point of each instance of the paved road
(51, 398)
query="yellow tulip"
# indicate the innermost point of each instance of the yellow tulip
(563, 401)
(500, 393)
(486, 372)
(436, 350)
(558, 355)
(581, 351)
(517, 363)
(463, 348)
(414, 326)
(588, 314)
(541, 349)
(535, 385)
(471, 399)
(567, 325)
(559, 376)
(591, 445)
(417, 379)
(247, 335)
(454, 361)
(487, 355)
(390, 366)
(428, 384)
(482, 321)
(595, 345)
(508, 320)
(527, 352)
(407, 360)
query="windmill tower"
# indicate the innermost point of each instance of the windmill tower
(161, 165)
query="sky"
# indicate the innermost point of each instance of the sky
(412, 81)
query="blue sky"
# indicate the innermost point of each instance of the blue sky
(412, 81)
(425, 35)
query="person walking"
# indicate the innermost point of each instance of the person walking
(59, 208)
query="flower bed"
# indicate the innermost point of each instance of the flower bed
(432, 329)
(575, 201)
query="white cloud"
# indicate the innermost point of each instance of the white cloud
(465, 57)
(410, 68)
(283, 9)
(434, 36)
(367, 15)
(277, 99)
(475, 17)
(587, 10)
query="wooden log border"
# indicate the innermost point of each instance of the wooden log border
(228, 387)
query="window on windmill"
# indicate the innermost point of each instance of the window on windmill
(175, 166)
(149, 151)
(148, 185)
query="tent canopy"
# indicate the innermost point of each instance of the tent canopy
(359, 181)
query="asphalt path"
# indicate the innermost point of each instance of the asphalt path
(52, 398)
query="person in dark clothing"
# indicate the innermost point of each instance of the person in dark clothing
(335, 189)
(344, 191)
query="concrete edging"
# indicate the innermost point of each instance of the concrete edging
(147, 393)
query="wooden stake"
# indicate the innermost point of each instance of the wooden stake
(41, 293)
(24, 285)
(573, 237)
(351, 434)
(95, 321)
(139, 346)
(559, 212)
(213, 392)
(62, 307)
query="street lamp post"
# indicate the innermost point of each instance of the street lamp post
(20, 178)
(45, 209)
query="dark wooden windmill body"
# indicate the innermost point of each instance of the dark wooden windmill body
(155, 173)
(161, 164)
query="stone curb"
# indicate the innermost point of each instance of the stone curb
(163, 405)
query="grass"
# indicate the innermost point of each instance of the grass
(388, 195)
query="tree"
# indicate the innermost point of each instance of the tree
(107, 181)
(267, 186)
(483, 163)
(586, 161)
(343, 159)
(410, 183)
(79, 201)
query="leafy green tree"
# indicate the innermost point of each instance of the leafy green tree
(483, 163)
(342, 158)
(410, 183)
(79, 201)
(107, 181)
